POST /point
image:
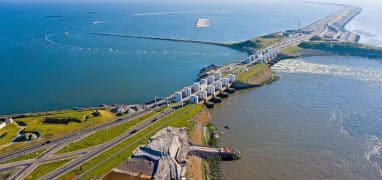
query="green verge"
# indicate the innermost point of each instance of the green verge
(104, 135)
(290, 50)
(252, 71)
(26, 156)
(252, 45)
(123, 150)
(45, 168)
(8, 133)
(344, 48)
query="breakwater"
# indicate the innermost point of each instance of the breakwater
(163, 39)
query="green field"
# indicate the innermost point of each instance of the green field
(45, 168)
(344, 48)
(25, 156)
(35, 123)
(8, 133)
(121, 152)
(252, 71)
(103, 135)
(52, 130)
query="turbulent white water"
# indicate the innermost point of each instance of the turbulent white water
(300, 66)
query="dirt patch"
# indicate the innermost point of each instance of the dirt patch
(201, 120)
(194, 168)
(261, 77)
(194, 165)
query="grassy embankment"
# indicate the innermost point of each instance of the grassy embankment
(105, 161)
(333, 47)
(245, 76)
(344, 48)
(25, 156)
(8, 133)
(254, 44)
(45, 168)
(104, 135)
(56, 124)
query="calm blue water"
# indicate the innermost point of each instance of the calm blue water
(43, 68)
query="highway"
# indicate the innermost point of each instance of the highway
(107, 145)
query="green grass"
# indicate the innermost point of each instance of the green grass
(52, 130)
(103, 135)
(290, 50)
(252, 71)
(34, 122)
(257, 43)
(45, 168)
(7, 173)
(8, 133)
(344, 48)
(121, 152)
(26, 156)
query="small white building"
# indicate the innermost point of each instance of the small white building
(178, 97)
(211, 79)
(203, 94)
(2, 125)
(231, 78)
(187, 91)
(196, 87)
(218, 75)
(218, 85)
(225, 81)
(211, 90)
(203, 81)
(194, 99)
(247, 60)
(8, 120)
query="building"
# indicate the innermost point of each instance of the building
(247, 60)
(203, 81)
(218, 75)
(203, 94)
(187, 91)
(178, 97)
(196, 87)
(211, 90)
(225, 81)
(211, 79)
(194, 99)
(231, 78)
(203, 84)
(8, 120)
(218, 85)
(2, 125)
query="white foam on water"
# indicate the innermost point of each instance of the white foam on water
(300, 66)
(374, 146)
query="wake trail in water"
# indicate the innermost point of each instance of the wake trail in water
(299, 66)
(50, 35)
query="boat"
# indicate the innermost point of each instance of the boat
(96, 22)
